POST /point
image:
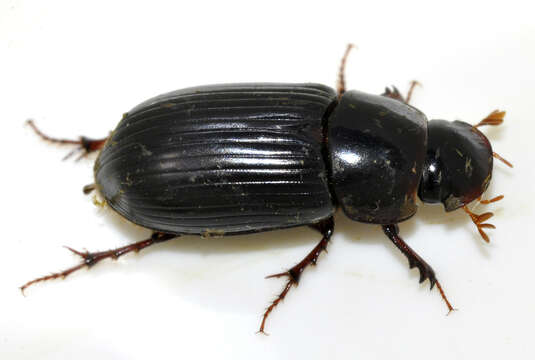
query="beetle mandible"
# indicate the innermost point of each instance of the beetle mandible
(245, 158)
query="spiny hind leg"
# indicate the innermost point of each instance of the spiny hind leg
(84, 145)
(426, 271)
(91, 258)
(326, 228)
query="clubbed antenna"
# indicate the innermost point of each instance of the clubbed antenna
(479, 219)
(495, 118)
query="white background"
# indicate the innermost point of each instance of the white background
(76, 67)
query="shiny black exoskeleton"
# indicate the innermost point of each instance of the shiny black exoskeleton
(229, 159)
(242, 158)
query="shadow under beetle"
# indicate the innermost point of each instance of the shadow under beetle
(243, 158)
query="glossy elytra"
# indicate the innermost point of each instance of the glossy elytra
(243, 158)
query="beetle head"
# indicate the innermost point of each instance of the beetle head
(458, 165)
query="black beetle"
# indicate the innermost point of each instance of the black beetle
(244, 158)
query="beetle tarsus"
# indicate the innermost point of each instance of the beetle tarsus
(274, 303)
(84, 144)
(52, 276)
(393, 93)
(426, 271)
(413, 84)
(396, 95)
(443, 295)
(326, 228)
(341, 84)
(92, 258)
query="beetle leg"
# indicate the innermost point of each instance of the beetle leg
(326, 228)
(89, 188)
(411, 89)
(395, 94)
(90, 259)
(85, 144)
(341, 84)
(426, 271)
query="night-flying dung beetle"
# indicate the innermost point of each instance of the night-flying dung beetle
(244, 158)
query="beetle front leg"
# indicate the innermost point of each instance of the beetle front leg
(395, 94)
(426, 271)
(84, 144)
(326, 228)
